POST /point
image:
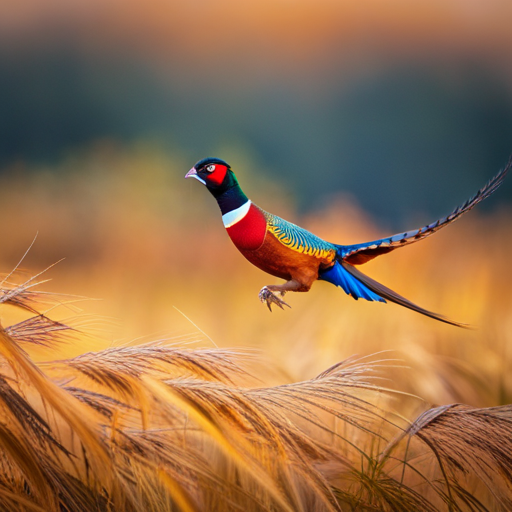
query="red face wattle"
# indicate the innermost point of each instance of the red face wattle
(217, 175)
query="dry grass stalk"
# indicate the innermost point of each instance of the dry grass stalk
(473, 449)
(109, 367)
(157, 427)
(39, 330)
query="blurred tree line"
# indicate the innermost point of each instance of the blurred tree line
(413, 139)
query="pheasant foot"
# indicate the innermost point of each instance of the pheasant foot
(270, 298)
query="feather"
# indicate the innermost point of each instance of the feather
(361, 253)
(338, 276)
(299, 239)
(385, 293)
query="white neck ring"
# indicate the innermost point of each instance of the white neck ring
(234, 216)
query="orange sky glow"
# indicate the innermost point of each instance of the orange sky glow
(301, 31)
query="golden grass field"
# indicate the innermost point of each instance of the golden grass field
(178, 390)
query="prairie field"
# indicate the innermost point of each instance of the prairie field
(148, 376)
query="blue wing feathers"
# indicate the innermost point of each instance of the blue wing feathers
(338, 276)
(360, 286)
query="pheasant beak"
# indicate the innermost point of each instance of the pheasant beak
(193, 174)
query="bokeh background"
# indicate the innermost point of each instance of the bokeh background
(354, 119)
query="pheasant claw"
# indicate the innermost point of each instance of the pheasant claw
(270, 298)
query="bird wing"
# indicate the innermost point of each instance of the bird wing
(361, 253)
(299, 239)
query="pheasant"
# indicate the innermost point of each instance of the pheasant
(290, 252)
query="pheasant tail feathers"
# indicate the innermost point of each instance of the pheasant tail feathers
(383, 292)
(361, 253)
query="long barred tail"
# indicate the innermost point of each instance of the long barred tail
(384, 293)
(361, 253)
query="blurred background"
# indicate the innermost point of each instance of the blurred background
(356, 120)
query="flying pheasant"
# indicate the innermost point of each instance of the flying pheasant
(290, 252)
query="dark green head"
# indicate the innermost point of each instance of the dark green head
(215, 173)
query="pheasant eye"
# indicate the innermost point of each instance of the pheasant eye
(210, 168)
